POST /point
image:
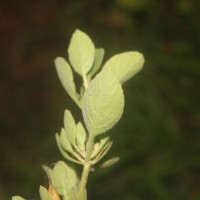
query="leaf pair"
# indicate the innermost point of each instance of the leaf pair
(103, 101)
(84, 59)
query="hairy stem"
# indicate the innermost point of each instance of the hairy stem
(86, 168)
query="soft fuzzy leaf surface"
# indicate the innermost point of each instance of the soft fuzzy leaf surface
(63, 177)
(81, 136)
(68, 153)
(70, 127)
(126, 64)
(66, 77)
(103, 102)
(65, 142)
(81, 52)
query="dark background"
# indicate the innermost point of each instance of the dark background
(158, 138)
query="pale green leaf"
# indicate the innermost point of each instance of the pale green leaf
(70, 127)
(63, 178)
(44, 194)
(17, 198)
(99, 145)
(103, 102)
(65, 142)
(126, 64)
(110, 162)
(99, 54)
(67, 155)
(81, 52)
(103, 151)
(65, 75)
(68, 139)
(68, 147)
(72, 195)
(81, 137)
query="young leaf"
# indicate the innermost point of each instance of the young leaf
(81, 137)
(44, 194)
(99, 54)
(66, 154)
(110, 162)
(66, 77)
(63, 178)
(126, 64)
(66, 145)
(17, 198)
(81, 52)
(103, 102)
(70, 127)
(99, 146)
(65, 142)
(103, 151)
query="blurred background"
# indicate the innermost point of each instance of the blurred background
(158, 138)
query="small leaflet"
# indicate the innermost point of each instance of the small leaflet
(110, 162)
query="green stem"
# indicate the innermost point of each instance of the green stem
(85, 81)
(86, 168)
